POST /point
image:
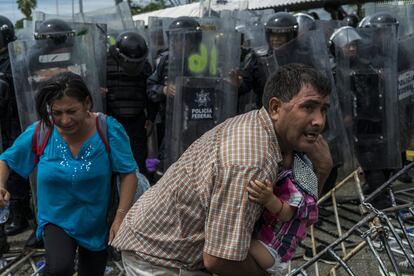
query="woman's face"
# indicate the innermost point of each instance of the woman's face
(69, 114)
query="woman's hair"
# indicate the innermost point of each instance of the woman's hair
(63, 84)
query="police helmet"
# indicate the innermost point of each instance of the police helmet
(283, 23)
(351, 20)
(184, 23)
(305, 22)
(131, 46)
(6, 31)
(382, 19)
(342, 37)
(55, 29)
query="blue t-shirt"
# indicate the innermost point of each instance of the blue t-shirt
(73, 192)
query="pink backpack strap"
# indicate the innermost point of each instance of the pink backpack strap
(102, 129)
(40, 138)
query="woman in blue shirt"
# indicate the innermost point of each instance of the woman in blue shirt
(73, 177)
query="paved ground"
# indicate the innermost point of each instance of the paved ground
(363, 263)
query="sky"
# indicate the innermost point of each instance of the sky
(9, 8)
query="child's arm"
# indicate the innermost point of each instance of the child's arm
(262, 193)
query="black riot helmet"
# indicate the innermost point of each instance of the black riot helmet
(282, 23)
(6, 31)
(56, 30)
(131, 47)
(305, 22)
(382, 19)
(184, 23)
(351, 20)
(344, 37)
(131, 51)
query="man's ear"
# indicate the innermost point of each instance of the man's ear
(275, 106)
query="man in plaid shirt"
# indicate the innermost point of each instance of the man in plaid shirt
(198, 219)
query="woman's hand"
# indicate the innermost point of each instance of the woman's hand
(4, 197)
(115, 226)
(260, 192)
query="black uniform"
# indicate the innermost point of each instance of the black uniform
(127, 101)
(17, 186)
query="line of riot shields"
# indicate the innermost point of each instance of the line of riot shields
(370, 115)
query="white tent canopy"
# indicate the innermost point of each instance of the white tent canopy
(193, 9)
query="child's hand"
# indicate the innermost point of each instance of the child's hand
(260, 192)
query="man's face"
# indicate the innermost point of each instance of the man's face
(276, 40)
(350, 50)
(299, 121)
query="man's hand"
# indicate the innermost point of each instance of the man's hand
(169, 90)
(260, 192)
(236, 78)
(321, 159)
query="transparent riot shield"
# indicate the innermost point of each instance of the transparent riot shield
(328, 27)
(369, 82)
(405, 68)
(35, 61)
(199, 68)
(157, 36)
(117, 18)
(404, 12)
(98, 32)
(310, 49)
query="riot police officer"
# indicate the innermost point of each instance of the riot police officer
(10, 129)
(127, 72)
(305, 22)
(280, 28)
(387, 20)
(159, 86)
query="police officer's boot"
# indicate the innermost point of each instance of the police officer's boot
(18, 221)
(4, 245)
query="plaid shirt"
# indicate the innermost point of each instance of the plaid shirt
(201, 203)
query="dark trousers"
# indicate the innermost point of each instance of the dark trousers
(61, 252)
(135, 128)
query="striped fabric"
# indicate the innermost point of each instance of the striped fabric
(201, 203)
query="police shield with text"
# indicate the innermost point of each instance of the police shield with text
(369, 74)
(127, 72)
(200, 63)
(56, 48)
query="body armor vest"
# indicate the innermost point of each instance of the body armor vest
(127, 96)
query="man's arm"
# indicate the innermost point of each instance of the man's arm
(221, 266)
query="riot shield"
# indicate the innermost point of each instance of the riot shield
(369, 82)
(404, 12)
(35, 61)
(199, 68)
(328, 27)
(310, 49)
(157, 36)
(406, 88)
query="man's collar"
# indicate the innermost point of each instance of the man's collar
(267, 124)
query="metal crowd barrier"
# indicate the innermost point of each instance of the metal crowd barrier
(383, 232)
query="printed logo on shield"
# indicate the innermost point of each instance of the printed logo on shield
(201, 104)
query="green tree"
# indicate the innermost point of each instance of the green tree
(26, 7)
(153, 6)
